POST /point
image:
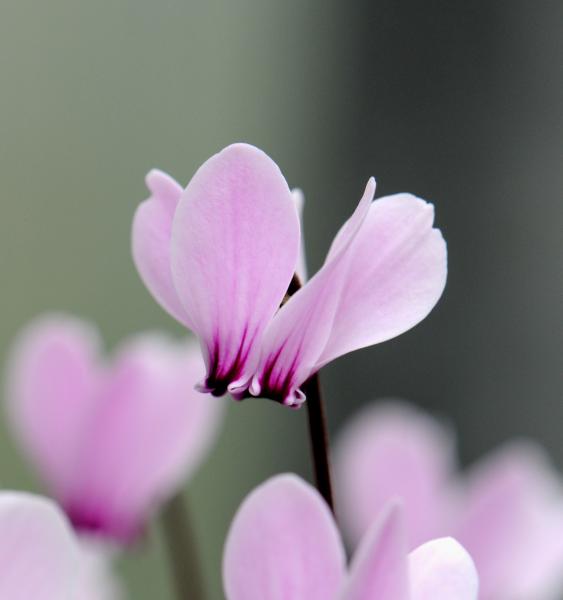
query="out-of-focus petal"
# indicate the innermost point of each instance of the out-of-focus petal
(442, 570)
(379, 567)
(283, 545)
(38, 554)
(301, 269)
(96, 577)
(510, 520)
(151, 241)
(150, 431)
(391, 449)
(235, 244)
(298, 333)
(53, 380)
(396, 273)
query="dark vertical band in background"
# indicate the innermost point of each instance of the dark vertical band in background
(460, 103)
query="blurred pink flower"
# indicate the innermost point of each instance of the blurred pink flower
(507, 511)
(220, 256)
(110, 441)
(284, 545)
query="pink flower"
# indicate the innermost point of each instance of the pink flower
(220, 256)
(284, 545)
(507, 511)
(110, 441)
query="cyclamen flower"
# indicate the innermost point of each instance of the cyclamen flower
(110, 441)
(284, 545)
(507, 511)
(221, 254)
(40, 557)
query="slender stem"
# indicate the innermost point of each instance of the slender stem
(318, 430)
(180, 542)
(318, 434)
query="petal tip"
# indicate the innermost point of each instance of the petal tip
(156, 178)
(255, 386)
(295, 399)
(202, 387)
(241, 150)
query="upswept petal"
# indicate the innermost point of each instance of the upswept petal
(283, 545)
(235, 244)
(150, 432)
(38, 554)
(52, 382)
(379, 567)
(511, 522)
(442, 570)
(298, 333)
(396, 273)
(391, 449)
(301, 269)
(151, 241)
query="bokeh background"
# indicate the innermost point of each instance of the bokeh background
(458, 102)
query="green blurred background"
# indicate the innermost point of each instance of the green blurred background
(458, 102)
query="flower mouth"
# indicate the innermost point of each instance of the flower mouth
(280, 388)
(215, 386)
(98, 521)
(226, 373)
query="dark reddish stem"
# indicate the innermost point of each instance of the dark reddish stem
(318, 435)
(318, 431)
(181, 546)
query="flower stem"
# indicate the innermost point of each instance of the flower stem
(318, 430)
(318, 435)
(180, 542)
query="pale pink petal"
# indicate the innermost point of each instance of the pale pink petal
(235, 244)
(301, 269)
(151, 241)
(298, 333)
(510, 521)
(283, 545)
(38, 554)
(379, 567)
(151, 430)
(97, 579)
(53, 380)
(442, 570)
(396, 274)
(391, 449)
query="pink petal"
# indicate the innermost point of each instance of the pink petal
(390, 449)
(396, 274)
(379, 567)
(151, 240)
(511, 522)
(442, 570)
(53, 380)
(301, 269)
(97, 579)
(38, 554)
(235, 245)
(283, 545)
(151, 430)
(298, 333)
